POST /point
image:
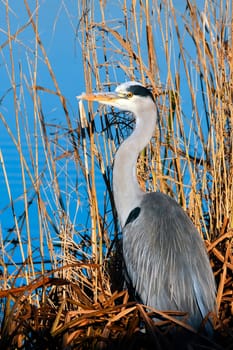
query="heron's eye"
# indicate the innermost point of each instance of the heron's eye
(129, 94)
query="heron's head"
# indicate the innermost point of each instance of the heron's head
(130, 96)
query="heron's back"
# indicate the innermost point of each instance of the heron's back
(166, 259)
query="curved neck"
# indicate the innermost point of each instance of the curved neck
(126, 190)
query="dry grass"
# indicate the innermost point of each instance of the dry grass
(60, 294)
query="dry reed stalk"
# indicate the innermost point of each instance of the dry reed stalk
(85, 324)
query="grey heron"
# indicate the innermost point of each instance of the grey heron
(164, 254)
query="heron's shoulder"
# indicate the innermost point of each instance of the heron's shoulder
(158, 199)
(159, 206)
(153, 205)
(161, 213)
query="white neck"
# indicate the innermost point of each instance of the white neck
(126, 190)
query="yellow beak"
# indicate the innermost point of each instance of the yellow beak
(104, 97)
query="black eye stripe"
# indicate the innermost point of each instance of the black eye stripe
(140, 91)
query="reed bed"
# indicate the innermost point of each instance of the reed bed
(62, 287)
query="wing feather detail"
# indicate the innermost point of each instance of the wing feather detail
(166, 259)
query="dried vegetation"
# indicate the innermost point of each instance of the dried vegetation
(62, 293)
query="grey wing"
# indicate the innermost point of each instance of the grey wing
(166, 259)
